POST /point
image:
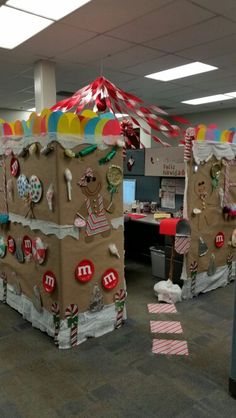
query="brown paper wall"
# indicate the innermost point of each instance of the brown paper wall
(65, 254)
(211, 221)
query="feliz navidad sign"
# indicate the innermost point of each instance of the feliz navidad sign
(165, 162)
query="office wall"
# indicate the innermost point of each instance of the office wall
(13, 115)
(225, 118)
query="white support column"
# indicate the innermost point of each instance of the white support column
(44, 85)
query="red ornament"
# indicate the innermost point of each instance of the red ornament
(84, 271)
(14, 166)
(27, 245)
(219, 240)
(101, 103)
(49, 281)
(110, 279)
(11, 246)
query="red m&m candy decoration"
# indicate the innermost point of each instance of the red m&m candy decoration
(84, 271)
(110, 279)
(49, 281)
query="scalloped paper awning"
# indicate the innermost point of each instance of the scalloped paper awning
(86, 124)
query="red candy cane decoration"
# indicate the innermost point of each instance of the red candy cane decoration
(56, 320)
(120, 297)
(193, 270)
(189, 137)
(71, 315)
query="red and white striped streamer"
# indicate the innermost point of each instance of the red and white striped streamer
(120, 298)
(166, 327)
(56, 319)
(170, 347)
(71, 315)
(161, 308)
(106, 96)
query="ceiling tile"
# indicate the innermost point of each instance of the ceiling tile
(216, 6)
(55, 39)
(162, 63)
(132, 56)
(95, 49)
(105, 15)
(214, 28)
(175, 16)
(211, 49)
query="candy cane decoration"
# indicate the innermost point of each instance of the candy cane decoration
(71, 315)
(193, 271)
(189, 137)
(229, 264)
(4, 282)
(120, 297)
(56, 320)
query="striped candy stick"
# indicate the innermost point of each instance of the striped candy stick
(120, 297)
(229, 263)
(3, 276)
(189, 137)
(193, 272)
(56, 320)
(71, 315)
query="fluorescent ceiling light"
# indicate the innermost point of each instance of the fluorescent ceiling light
(17, 26)
(52, 9)
(32, 109)
(232, 94)
(208, 99)
(182, 71)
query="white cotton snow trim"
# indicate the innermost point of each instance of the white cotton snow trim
(116, 222)
(202, 150)
(47, 228)
(205, 283)
(89, 324)
(16, 144)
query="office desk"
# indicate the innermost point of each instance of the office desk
(143, 233)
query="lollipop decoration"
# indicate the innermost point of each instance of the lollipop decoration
(114, 178)
(68, 178)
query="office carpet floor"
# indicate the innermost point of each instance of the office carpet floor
(117, 375)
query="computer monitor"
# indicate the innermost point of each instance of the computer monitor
(129, 191)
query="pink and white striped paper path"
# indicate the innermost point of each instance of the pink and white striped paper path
(172, 347)
(166, 327)
(161, 308)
